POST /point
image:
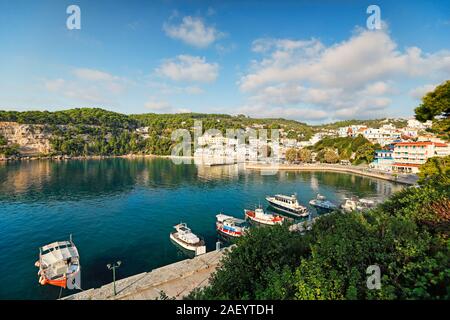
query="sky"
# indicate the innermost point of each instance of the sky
(312, 61)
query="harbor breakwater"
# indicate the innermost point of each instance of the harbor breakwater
(409, 179)
(175, 280)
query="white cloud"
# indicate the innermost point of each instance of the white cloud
(170, 89)
(87, 86)
(193, 90)
(155, 105)
(93, 75)
(355, 77)
(189, 68)
(377, 88)
(193, 31)
(54, 85)
(419, 92)
(159, 106)
(261, 111)
(182, 110)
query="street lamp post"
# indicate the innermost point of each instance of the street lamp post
(113, 267)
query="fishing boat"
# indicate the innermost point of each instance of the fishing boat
(322, 204)
(287, 204)
(229, 226)
(355, 204)
(59, 265)
(349, 205)
(184, 237)
(258, 215)
(366, 204)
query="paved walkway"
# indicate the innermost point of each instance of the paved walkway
(176, 280)
(400, 178)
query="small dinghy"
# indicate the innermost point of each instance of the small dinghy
(184, 237)
(259, 216)
(59, 265)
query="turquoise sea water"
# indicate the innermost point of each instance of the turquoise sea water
(122, 209)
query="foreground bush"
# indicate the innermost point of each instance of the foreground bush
(407, 237)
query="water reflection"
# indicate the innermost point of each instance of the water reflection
(78, 179)
(124, 209)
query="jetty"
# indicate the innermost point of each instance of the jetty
(175, 280)
(409, 179)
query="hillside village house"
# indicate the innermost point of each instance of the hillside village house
(387, 134)
(408, 156)
(416, 124)
(383, 160)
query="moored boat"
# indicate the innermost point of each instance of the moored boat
(59, 265)
(349, 205)
(258, 215)
(287, 204)
(184, 237)
(322, 204)
(229, 226)
(355, 204)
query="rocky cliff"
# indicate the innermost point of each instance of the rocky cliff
(32, 139)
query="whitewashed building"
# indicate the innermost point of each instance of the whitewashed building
(408, 156)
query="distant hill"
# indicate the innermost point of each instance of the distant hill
(94, 131)
(374, 123)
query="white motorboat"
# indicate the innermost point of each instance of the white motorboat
(59, 265)
(184, 237)
(230, 226)
(365, 204)
(321, 203)
(258, 215)
(349, 205)
(288, 204)
(355, 204)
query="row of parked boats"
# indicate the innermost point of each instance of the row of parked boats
(230, 227)
(59, 262)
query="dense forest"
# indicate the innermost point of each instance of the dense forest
(87, 131)
(94, 131)
(358, 149)
(407, 237)
(435, 106)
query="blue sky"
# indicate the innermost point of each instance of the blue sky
(313, 61)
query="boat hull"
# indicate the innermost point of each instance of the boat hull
(321, 208)
(288, 211)
(53, 272)
(227, 232)
(270, 222)
(198, 248)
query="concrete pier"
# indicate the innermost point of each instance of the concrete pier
(409, 179)
(176, 280)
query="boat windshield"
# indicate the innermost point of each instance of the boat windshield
(56, 247)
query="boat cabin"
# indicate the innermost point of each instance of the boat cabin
(58, 259)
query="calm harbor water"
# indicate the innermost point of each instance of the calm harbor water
(124, 209)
